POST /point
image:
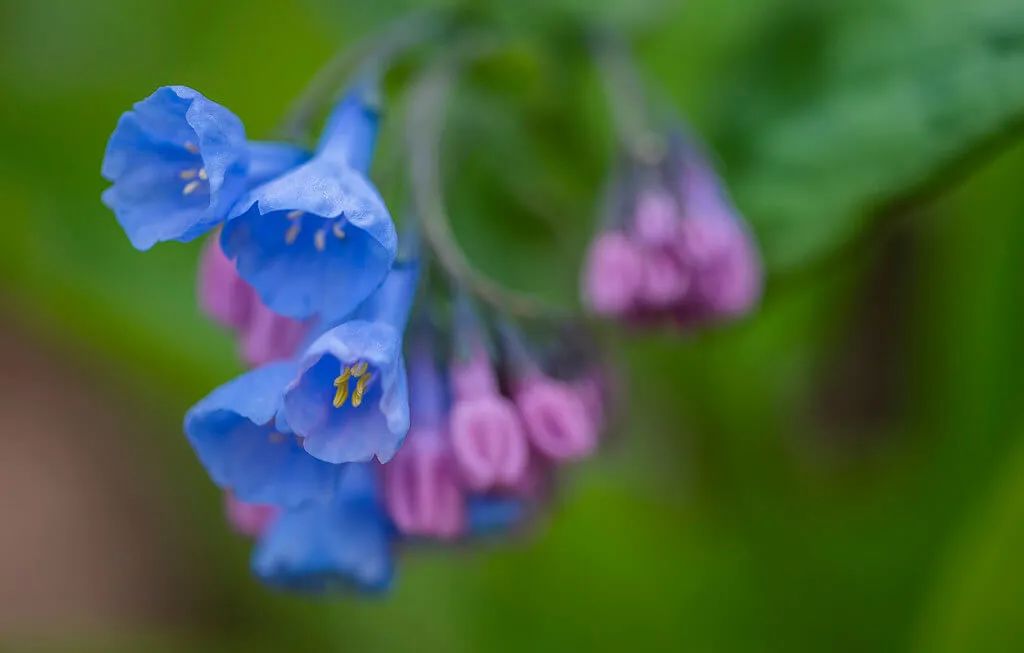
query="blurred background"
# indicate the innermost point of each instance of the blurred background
(842, 471)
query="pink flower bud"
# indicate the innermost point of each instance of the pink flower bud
(614, 274)
(223, 295)
(421, 488)
(657, 218)
(556, 419)
(268, 336)
(666, 280)
(488, 442)
(250, 519)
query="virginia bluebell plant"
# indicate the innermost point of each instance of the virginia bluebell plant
(393, 397)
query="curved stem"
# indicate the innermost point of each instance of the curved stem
(370, 55)
(424, 130)
(625, 92)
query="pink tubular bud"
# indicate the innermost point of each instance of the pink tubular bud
(250, 519)
(613, 275)
(556, 418)
(223, 295)
(421, 488)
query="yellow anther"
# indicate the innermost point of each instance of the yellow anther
(202, 174)
(320, 240)
(294, 215)
(341, 383)
(339, 230)
(359, 369)
(190, 187)
(191, 147)
(190, 173)
(292, 234)
(357, 395)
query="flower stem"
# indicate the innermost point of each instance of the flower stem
(424, 128)
(626, 97)
(369, 56)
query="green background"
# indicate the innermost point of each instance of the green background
(842, 471)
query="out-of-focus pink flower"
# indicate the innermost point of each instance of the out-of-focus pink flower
(697, 261)
(223, 295)
(250, 519)
(263, 335)
(422, 490)
(614, 274)
(556, 418)
(487, 436)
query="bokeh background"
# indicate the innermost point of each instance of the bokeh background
(842, 471)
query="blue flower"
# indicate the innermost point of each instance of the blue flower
(247, 449)
(350, 401)
(339, 544)
(179, 162)
(319, 238)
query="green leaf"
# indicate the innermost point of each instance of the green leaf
(845, 111)
(976, 605)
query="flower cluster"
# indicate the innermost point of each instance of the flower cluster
(673, 246)
(329, 451)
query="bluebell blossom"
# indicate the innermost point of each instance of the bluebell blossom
(318, 239)
(350, 399)
(342, 543)
(179, 162)
(249, 449)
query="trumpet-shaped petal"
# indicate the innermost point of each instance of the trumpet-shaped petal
(318, 239)
(177, 162)
(350, 400)
(340, 544)
(245, 449)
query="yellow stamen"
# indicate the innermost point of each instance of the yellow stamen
(341, 383)
(357, 395)
(202, 174)
(187, 174)
(191, 147)
(190, 187)
(320, 240)
(294, 215)
(339, 230)
(292, 234)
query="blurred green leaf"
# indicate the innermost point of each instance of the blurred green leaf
(844, 110)
(976, 605)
